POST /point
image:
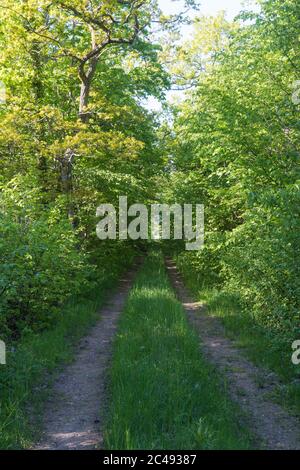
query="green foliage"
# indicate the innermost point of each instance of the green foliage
(206, 264)
(56, 167)
(40, 268)
(263, 261)
(236, 150)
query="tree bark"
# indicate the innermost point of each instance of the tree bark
(85, 90)
(86, 79)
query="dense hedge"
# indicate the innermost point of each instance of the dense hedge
(262, 261)
(40, 267)
(259, 262)
(236, 149)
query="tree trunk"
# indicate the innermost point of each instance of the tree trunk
(67, 162)
(85, 90)
(83, 102)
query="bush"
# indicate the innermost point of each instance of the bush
(204, 266)
(43, 260)
(263, 261)
(40, 267)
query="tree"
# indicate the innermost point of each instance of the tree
(235, 148)
(58, 162)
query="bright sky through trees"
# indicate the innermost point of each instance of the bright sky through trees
(207, 7)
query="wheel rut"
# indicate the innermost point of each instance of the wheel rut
(248, 384)
(73, 416)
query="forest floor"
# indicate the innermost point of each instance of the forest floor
(74, 413)
(249, 385)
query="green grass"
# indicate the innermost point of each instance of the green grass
(264, 349)
(25, 379)
(163, 394)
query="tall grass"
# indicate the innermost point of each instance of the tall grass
(164, 395)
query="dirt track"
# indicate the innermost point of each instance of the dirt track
(73, 416)
(249, 385)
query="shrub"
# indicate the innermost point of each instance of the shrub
(40, 267)
(204, 266)
(263, 261)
